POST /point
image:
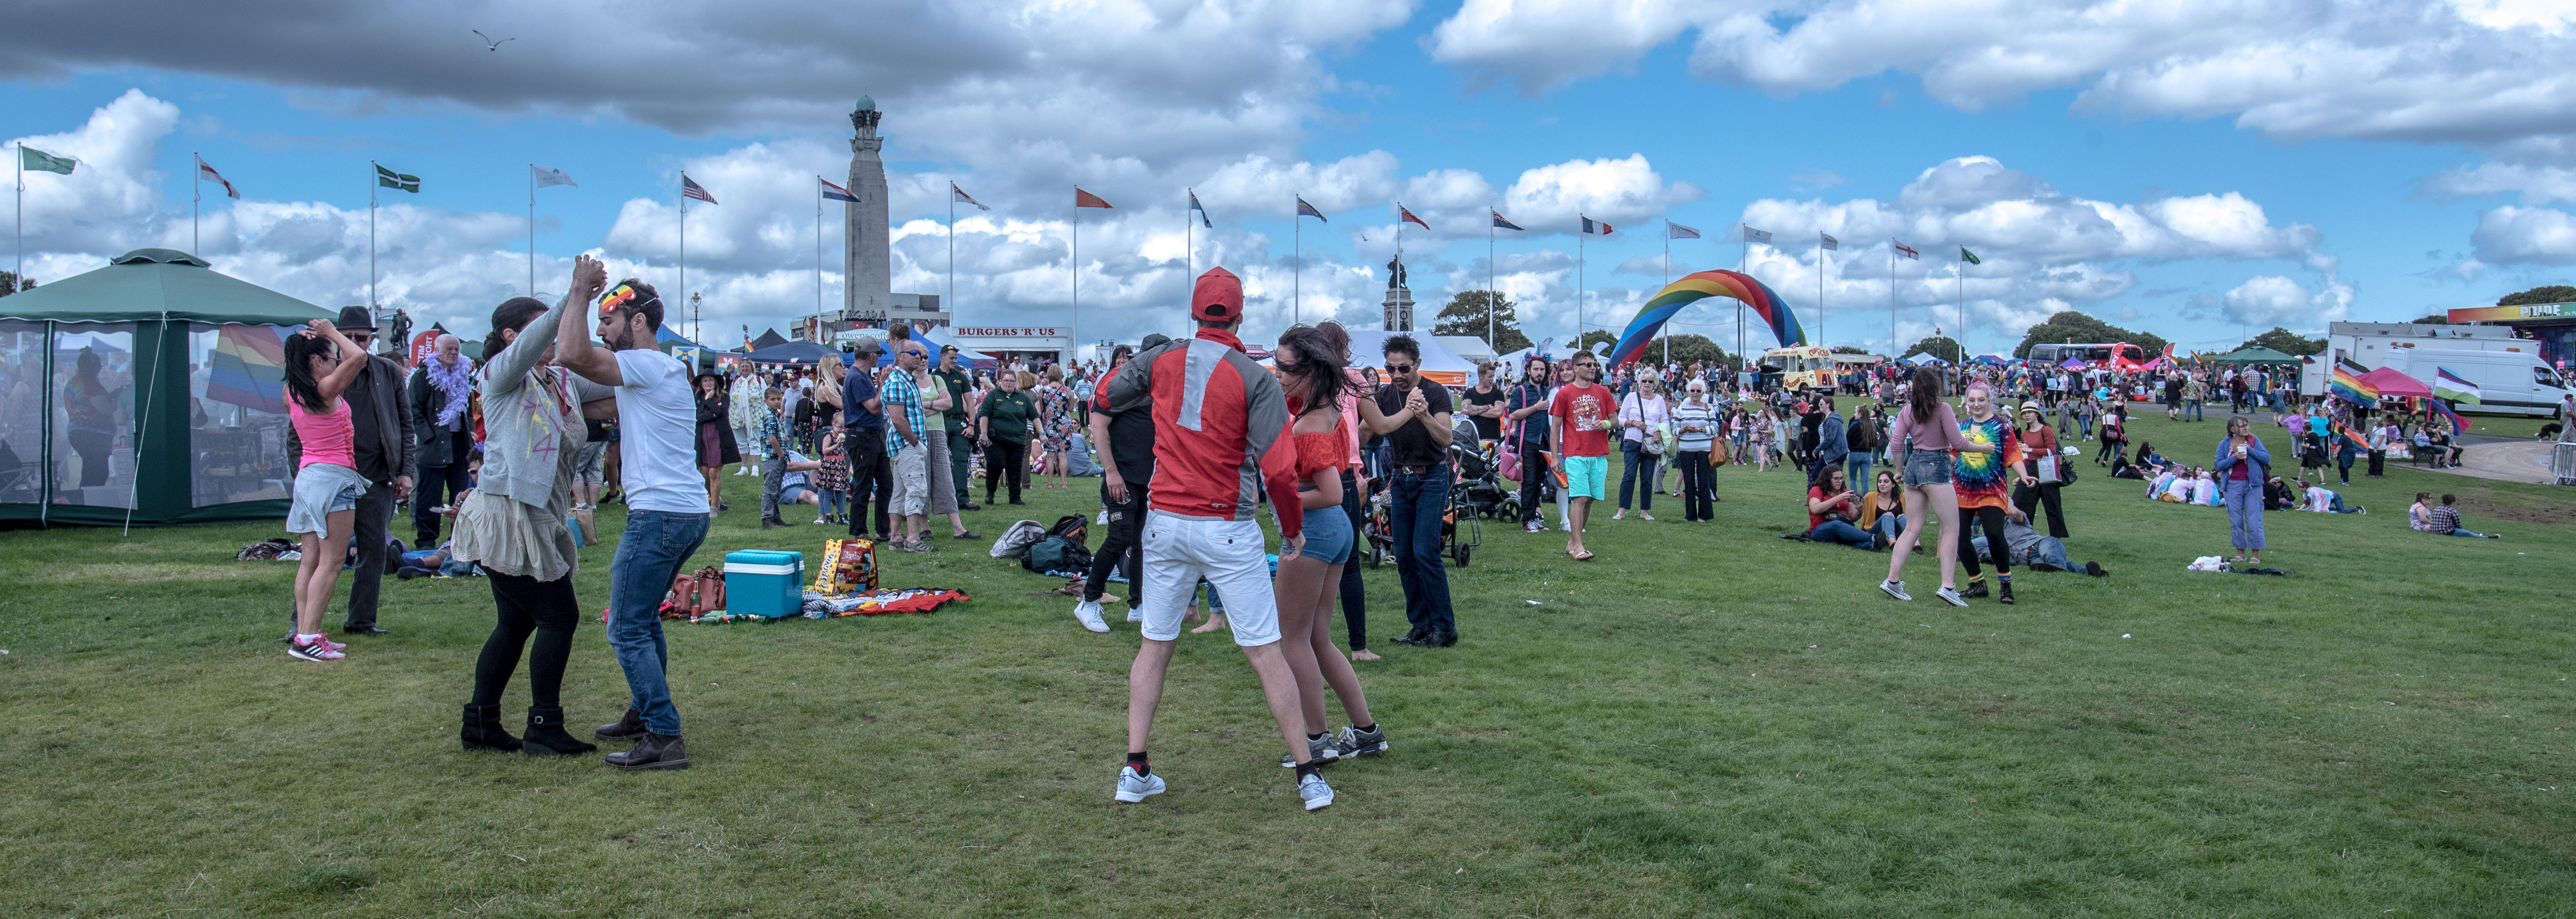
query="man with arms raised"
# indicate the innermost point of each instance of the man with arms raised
(1220, 437)
(666, 504)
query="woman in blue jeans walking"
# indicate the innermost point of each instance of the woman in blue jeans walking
(2242, 465)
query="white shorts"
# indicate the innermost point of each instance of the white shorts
(911, 470)
(1230, 554)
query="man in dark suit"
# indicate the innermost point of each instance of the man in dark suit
(380, 418)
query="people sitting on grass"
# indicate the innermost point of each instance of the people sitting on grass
(2445, 521)
(2419, 516)
(1831, 509)
(2121, 468)
(2034, 551)
(2315, 496)
(1883, 512)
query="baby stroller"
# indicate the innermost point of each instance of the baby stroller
(1481, 490)
(1377, 526)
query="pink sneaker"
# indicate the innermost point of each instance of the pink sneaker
(319, 649)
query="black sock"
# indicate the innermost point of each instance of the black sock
(1137, 759)
(1304, 770)
(1371, 729)
(1311, 738)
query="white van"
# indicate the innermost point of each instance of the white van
(2512, 382)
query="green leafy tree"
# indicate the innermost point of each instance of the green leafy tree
(1466, 315)
(2073, 326)
(2285, 341)
(1939, 346)
(2434, 319)
(1847, 349)
(2554, 293)
(9, 283)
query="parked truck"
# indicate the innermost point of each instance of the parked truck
(2509, 370)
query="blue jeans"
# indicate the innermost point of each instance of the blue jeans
(2191, 409)
(2455, 531)
(2244, 512)
(1838, 531)
(1890, 526)
(1856, 472)
(1419, 502)
(1638, 464)
(649, 555)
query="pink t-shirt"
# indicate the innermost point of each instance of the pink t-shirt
(326, 437)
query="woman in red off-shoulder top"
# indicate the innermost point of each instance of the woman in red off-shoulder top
(1310, 370)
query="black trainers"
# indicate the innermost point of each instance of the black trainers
(2005, 597)
(2095, 569)
(1414, 637)
(1353, 743)
(629, 727)
(1975, 589)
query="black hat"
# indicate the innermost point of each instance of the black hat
(355, 317)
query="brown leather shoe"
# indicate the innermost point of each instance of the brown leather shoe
(629, 727)
(654, 751)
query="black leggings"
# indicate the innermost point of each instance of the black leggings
(1006, 459)
(1354, 595)
(1992, 518)
(526, 605)
(1124, 548)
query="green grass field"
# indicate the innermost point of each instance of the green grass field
(1706, 721)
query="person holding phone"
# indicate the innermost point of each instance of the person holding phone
(2243, 467)
(1831, 508)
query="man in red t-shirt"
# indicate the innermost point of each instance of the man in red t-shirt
(1580, 438)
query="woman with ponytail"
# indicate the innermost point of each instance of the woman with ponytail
(320, 364)
(513, 523)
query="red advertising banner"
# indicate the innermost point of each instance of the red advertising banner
(422, 345)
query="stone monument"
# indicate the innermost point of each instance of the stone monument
(867, 268)
(1399, 298)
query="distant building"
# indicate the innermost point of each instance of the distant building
(867, 261)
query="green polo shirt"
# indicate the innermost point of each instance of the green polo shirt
(1011, 413)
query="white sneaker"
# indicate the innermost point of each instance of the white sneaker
(1312, 788)
(1895, 589)
(1089, 612)
(1133, 788)
(1950, 595)
(1134, 614)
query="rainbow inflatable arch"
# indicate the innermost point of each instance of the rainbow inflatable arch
(1698, 286)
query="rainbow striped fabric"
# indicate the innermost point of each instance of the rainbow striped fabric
(248, 367)
(1698, 286)
(2350, 387)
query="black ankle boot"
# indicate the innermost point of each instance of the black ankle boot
(546, 735)
(483, 730)
(626, 728)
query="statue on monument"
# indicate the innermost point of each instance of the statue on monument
(1395, 273)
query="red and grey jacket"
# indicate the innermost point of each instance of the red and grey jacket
(1220, 428)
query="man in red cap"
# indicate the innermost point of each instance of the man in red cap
(1220, 438)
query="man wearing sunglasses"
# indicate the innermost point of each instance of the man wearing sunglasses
(1412, 413)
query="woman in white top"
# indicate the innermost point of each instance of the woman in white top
(1644, 414)
(1695, 427)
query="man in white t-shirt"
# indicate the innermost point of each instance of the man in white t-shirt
(666, 502)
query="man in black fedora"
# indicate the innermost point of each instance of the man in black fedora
(381, 438)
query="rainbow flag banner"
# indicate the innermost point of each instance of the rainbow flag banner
(248, 368)
(2346, 432)
(2458, 424)
(2350, 387)
(2456, 388)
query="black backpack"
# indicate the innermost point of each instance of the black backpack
(1075, 529)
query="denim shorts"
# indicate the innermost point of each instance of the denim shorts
(1926, 467)
(323, 489)
(1328, 535)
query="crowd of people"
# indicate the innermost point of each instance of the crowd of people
(1191, 437)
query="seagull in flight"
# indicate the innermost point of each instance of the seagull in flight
(487, 40)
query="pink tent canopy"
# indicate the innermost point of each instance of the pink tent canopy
(2394, 383)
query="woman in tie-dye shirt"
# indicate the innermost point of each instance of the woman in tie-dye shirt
(1981, 475)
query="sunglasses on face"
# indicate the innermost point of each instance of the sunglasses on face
(1399, 368)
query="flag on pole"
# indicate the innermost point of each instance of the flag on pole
(1086, 199)
(2348, 385)
(209, 174)
(1831, 243)
(397, 181)
(2346, 432)
(1500, 223)
(2458, 424)
(1677, 231)
(1406, 216)
(1752, 235)
(835, 192)
(1594, 227)
(1202, 209)
(1905, 250)
(41, 161)
(1308, 210)
(2452, 386)
(961, 195)
(689, 188)
(548, 177)
(1969, 257)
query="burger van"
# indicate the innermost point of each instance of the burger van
(2508, 371)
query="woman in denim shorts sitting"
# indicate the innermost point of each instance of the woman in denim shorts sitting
(1925, 432)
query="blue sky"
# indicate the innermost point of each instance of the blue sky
(2182, 188)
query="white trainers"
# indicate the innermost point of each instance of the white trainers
(1312, 788)
(1895, 589)
(1133, 788)
(1089, 612)
(1951, 595)
(1134, 614)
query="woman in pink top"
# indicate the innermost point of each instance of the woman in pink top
(320, 363)
(1925, 433)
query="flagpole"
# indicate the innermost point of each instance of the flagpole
(1962, 339)
(952, 251)
(196, 190)
(1579, 238)
(818, 243)
(1667, 281)
(684, 232)
(20, 233)
(1297, 259)
(1891, 294)
(1743, 259)
(1189, 237)
(532, 230)
(372, 182)
(1490, 306)
(1077, 269)
(1820, 288)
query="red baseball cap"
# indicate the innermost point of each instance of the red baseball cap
(1218, 296)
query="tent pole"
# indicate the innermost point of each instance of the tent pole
(143, 427)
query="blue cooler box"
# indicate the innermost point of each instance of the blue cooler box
(759, 582)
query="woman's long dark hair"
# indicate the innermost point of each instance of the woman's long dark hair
(513, 313)
(1316, 374)
(301, 349)
(1925, 396)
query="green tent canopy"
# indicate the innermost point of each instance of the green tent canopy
(148, 391)
(2254, 356)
